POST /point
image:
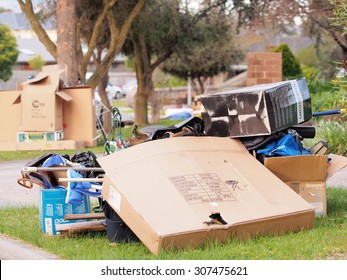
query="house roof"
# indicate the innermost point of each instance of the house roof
(18, 21)
(28, 48)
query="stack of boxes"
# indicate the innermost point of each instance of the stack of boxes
(42, 108)
(44, 115)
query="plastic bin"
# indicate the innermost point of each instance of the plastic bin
(116, 229)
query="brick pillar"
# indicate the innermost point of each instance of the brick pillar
(264, 68)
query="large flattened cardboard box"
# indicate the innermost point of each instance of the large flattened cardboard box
(307, 175)
(165, 191)
(257, 110)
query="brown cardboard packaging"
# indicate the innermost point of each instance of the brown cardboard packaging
(256, 110)
(79, 115)
(40, 105)
(10, 116)
(307, 175)
(165, 191)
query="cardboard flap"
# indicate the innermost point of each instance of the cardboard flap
(298, 168)
(50, 75)
(336, 163)
(40, 78)
(65, 96)
(18, 99)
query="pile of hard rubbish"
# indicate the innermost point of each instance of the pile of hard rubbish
(239, 171)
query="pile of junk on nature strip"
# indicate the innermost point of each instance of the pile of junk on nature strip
(81, 174)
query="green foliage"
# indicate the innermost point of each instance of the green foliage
(209, 49)
(309, 72)
(36, 62)
(334, 132)
(290, 64)
(129, 62)
(308, 56)
(339, 14)
(8, 52)
(324, 97)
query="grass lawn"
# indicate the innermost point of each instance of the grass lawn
(326, 241)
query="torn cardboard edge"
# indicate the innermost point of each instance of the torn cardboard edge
(180, 182)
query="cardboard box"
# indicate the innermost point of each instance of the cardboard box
(53, 208)
(42, 109)
(23, 136)
(49, 145)
(42, 101)
(10, 115)
(165, 191)
(307, 175)
(257, 110)
(79, 115)
(72, 110)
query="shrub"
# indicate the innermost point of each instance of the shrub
(290, 64)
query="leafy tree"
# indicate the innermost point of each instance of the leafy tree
(104, 15)
(210, 50)
(340, 21)
(290, 64)
(36, 62)
(154, 37)
(8, 52)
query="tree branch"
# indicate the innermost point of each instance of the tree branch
(118, 41)
(27, 9)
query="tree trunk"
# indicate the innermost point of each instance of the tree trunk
(67, 39)
(155, 99)
(141, 96)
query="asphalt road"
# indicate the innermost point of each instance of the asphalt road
(13, 195)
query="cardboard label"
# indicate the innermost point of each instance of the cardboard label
(115, 199)
(203, 187)
(299, 100)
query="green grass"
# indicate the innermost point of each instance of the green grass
(327, 240)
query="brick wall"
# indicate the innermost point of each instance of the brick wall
(264, 68)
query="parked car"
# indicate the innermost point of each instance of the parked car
(115, 91)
